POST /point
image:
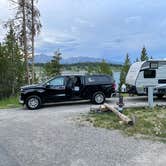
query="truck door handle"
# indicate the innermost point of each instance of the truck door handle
(60, 87)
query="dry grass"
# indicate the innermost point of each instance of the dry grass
(148, 122)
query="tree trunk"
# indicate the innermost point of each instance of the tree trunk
(25, 43)
(33, 35)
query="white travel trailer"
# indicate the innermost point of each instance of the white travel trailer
(142, 75)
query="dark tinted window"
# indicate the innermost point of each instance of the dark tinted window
(149, 73)
(98, 79)
(162, 81)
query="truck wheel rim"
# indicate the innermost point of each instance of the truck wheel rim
(99, 98)
(33, 103)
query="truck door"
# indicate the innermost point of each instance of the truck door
(69, 87)
(73, 87)
(56, 89)
(78, 84)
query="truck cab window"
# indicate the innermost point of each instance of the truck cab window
(57, 81)
(77, 81)
(149, 73)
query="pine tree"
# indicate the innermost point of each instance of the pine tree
(144, 56)
(127, 63)
(21, 24)
(11, 65)
(104, 68)
(124, 70)
(27, 24)
(3, 76)
(16, 69)
(90, 69)
(54, 67)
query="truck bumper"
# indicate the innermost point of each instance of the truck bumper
(21, 101)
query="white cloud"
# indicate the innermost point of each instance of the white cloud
(133, 19)
(94, 27)
(3, 3)
(4, 6)
(55, 37)
(5, 14)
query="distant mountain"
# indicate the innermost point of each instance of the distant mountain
(42, 58)
(73, 60)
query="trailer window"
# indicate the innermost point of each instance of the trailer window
(149, 73)
(163, 81)
(154, 65)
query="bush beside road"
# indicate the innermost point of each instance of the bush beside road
(11, 102)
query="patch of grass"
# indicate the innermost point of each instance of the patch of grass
(125, 95)
(148, 122)
(11, 102)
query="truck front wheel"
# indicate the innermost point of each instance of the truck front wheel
(98, 98)
(33, 102)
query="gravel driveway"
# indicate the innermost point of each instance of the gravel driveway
(49, 137)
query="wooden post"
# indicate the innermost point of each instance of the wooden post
(150, 97)
(123, 117)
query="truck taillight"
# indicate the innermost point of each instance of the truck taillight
(114, 86)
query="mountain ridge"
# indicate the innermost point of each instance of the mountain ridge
(42, 58)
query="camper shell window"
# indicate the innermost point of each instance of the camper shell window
(98, 80)
(149, 73)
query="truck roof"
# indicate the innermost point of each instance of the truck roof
(85, 75)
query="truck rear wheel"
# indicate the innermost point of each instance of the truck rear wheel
(33, 102)
(98, 98)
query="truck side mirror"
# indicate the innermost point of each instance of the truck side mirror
(47, 85)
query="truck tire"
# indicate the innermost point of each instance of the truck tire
(33, 102)
(98, 98)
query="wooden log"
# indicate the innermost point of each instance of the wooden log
(123, 117)
(103, 108)
(99, 109)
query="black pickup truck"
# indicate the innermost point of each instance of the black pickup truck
(67, 88)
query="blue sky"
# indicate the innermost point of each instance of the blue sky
(100, 28)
